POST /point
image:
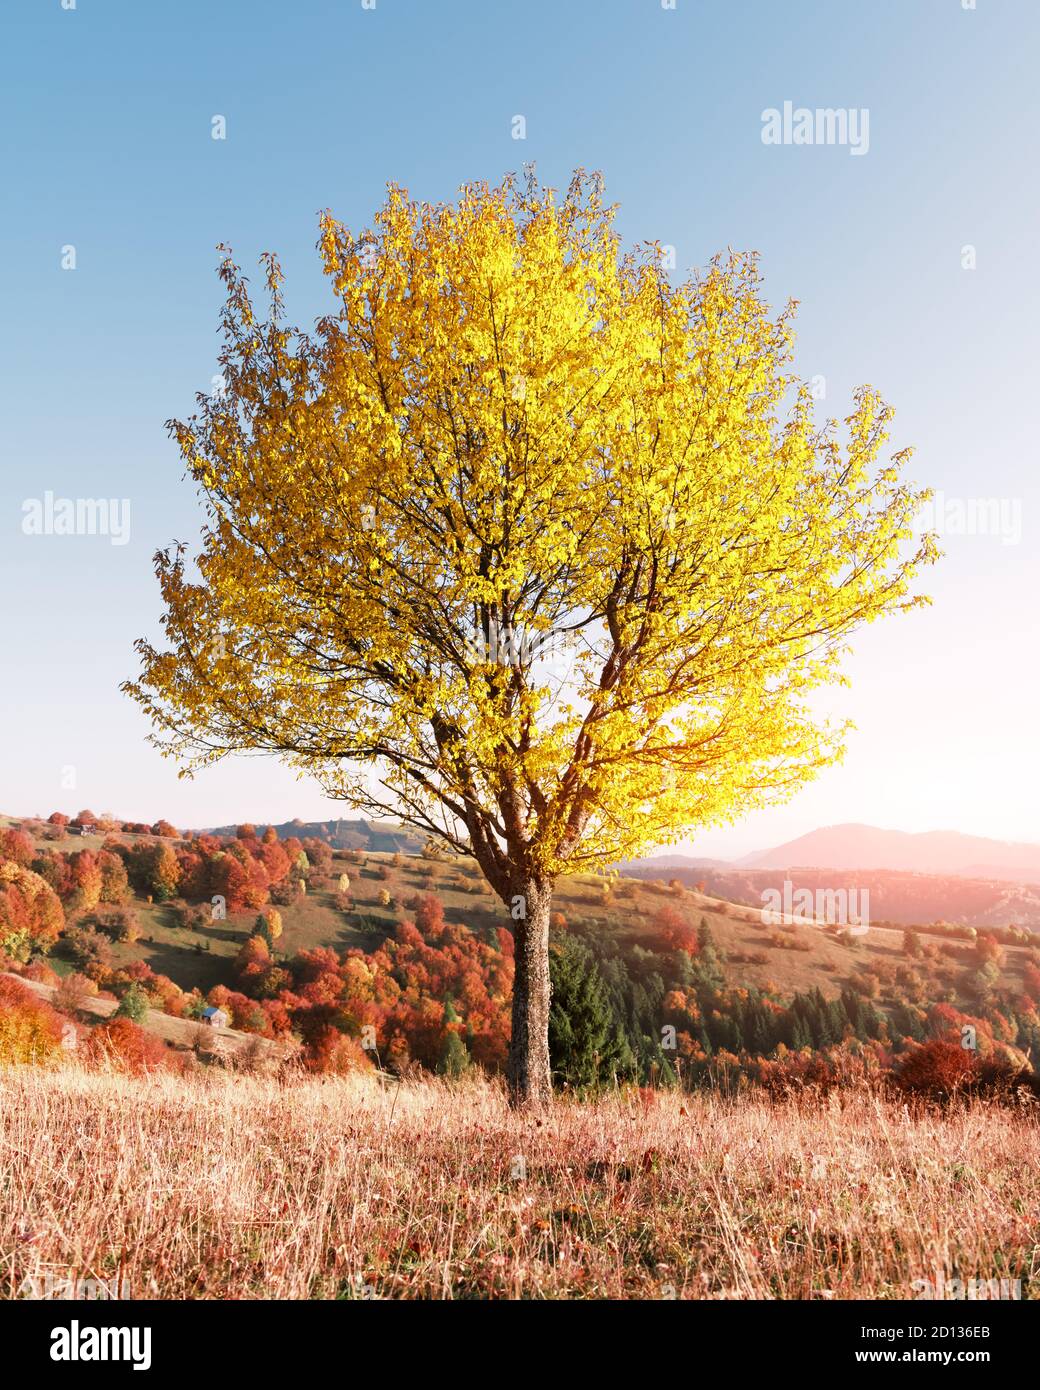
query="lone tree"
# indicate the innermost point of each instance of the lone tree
(525, 545)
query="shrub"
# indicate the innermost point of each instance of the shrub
(117, 923)
(429, 915)
(937, 1070)
(250, 1058)
(30, 1030)
(751, 958)
(269, 925)
(786, 942)
(133, 1005)
(122, 1042)
(674, 932)
(1003, 1080)
(89, 950)
(73, 992)
(284, 894)
(16, 846)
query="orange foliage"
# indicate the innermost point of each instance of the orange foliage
(938, 1069)
(31, 916)
(121, 1042)
(30, 1030)
(673, 931)
(428, 979)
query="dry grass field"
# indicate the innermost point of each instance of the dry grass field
(221, 1186)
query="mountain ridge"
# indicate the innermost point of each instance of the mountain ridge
(854, 846)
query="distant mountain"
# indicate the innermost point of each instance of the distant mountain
(929, 852)
(660, 862)
(917, 878)
(373, 836)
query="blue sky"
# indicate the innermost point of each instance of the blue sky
(108, 114)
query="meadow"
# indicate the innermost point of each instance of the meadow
(220, 1186)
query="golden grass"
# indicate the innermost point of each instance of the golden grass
(222, 1186)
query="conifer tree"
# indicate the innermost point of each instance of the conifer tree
(586, 1045)
(454, 1057)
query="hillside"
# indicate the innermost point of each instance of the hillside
(202, 956)
(895, 896)
(315, 950)
(181, 1034)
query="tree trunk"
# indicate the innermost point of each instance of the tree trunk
(530, 1080)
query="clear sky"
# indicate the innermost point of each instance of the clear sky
(108, 113)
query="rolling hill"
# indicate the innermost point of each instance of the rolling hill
(379, 836)
(791, 959)
(901, 898)
(632, 930)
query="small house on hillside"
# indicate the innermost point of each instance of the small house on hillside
(214, 1018)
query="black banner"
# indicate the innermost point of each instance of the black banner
(70, 1339)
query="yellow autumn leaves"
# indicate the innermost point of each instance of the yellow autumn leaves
(505, 425)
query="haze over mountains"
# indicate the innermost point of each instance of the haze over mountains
(934, 876)
(854, 846)
(928, 852)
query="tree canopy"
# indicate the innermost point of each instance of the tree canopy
(524, 543)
